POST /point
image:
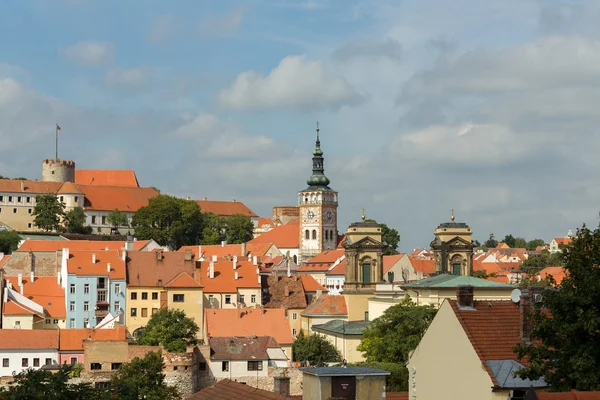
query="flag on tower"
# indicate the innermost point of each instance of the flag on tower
(57, 127)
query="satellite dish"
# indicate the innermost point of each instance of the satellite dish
(515, 296)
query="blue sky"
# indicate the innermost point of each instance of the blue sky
(486, 107)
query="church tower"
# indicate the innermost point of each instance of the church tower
(453, 248)
(318, 210)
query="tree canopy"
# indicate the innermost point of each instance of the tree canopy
(75, 221)
(9, 241)
(491, 243)
(389, 237)
(48, 212)
(172, 329)
(565, 336)
(117, 218)
(398, 331)
(239, 229)
(534, 263)
(315, 349)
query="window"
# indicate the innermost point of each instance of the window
(294, 332)
(241, 298)
(73, 360)
(36, 362)
(14, 210)
(253, 298)
(115, 366)
(117, 306)
(101, 295)
(117, 288)
(29, 211)
(366, 315)
(5, 363)
(177, 298)
(228, 299)
(211, 299)
(154, 295)
(48, 321)
(72, 323)
(86, 288)
(55, 321)
(175, 368)
(19, 198)
(76, 198)
(95, 366)
(306, 234)
(326, 235)
(62, 198)
(86, 306)
(72, 306)
(134, 312)
(48, 361)
(10, 199)
(225, 366)
(29, 225)
(24, 362)
(294, 316)
(86, 322)
(314, 235)
(202, 366)
(1, 198)
(104, 220)
(255, 365)
(28, 199)
(144, 295)
(133, 295)
(93, 219)
(101, 283)
(154, 311)
(144, 313)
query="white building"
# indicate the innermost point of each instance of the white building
(22, 349)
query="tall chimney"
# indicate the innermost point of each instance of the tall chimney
(107, 267)
(525, 316)
(31, 277)
(22, 185)
(222, 243)
(124, 255)
(235, 275)
(464, 296)
(199, 251)
(214, 258)
(234, 264)
(58, 277)
(93, 258)
(20, 280)
(211, 270)
(243, 250)
(255, 260)
(282, 385)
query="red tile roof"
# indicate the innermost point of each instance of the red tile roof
(229, 390)
(572, 395)
(558, 273)
(254, 249)
(156, 268)
(45, 291)
(493, 331)
(265, 222)
(72, 245)
(107, 198)
(285, 292)
(224, 278)
(13, 308)
(390, 261)
(241, 348)
(339, 269)
(4, 259)
(16, 339)
(248, 322)
(80, 263)
(283, 236)
(563, 241)
(341, 240)
(327, 305)
(225, 208)
(23, 186)
(396, 396)
(101, 177)
(310, 284)
(183, 280)
(72, 339)
(327, 256)
(69, 188)
(423, 265)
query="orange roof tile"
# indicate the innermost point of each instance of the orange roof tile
(224, 279)
(23, 186)
(72, 245)
(107, 198)
(4, 259)
(310, 284)
(493, 330)
(390, 261)
(69, 188)
(498, 278)
(341, 240)
(13, 308)
(16, 339)
(255, 249)
(327, 305)
(563, 241)
(225, 207)
(339, 269)
(248, 322)
(45, 291)
(227, 389)
(327, 256)
(156, 268)
(572, 395)
(285, 292)
(396, 396)
(99, 177)
(283, 236)
(72, 339)
(558, 273)
(140, 244)
(423, 265)
(80, 263)
(265, 222)
(183, 280)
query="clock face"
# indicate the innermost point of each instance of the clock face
(310, 214)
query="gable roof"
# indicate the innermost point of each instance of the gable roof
(26, 186)
(391, 260)
(72, 245)
(107, 198)
(449, 281)
(156, 268)
(327, 305)
(72, 339)
(283, 236)
(224, 250)
(262, 222)
(248, 322)
(106, 177)
(225, 208)
(224, 276)
(558, 273)
(346, 328)
(81, 263)
(563, 241)
(30, 339)
(227, 389)
(44, 291)
(424, 265)
(183, 280)
(241, 348)
(310, 284)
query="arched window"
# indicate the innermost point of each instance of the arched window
(306, 234)
(326, 235)
(314, 234)
(456, 262)
(331, 235)
(295, 259)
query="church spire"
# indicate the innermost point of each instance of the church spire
(318, 180)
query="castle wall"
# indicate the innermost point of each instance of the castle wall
(58, 170)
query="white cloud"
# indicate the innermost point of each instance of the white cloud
(225, 24)
(369, 48)
(294, 83)
(91, 53)
(127, 78)
(162, 28)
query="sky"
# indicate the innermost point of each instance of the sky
(491, 108)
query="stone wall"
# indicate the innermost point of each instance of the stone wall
(58, 170)
(42, 263)
(285, 214)
(264, 383)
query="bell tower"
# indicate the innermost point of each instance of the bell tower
(453, 248)
(318, 210)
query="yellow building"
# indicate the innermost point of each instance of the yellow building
(345, 336)
(467, 353)
(231, 283)
(453, 248)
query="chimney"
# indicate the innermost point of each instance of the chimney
(235, 275)
(188, 198)
(257, 271)
(235, 260)
(289, 271)
(107, 267)
(200, 251)
(5, 297)
(214, 258)
(282, 385)
(234, 265)
(124, 254)
(58, 277)
(525, 317)
(20, 280)
(255, 260)
(93, 258)
(22, 185)
(211, 270)
(129, 245)
(159, 254)
(223, 243)
(464, 296)
(188, 255)
(243, 250)
(259, 280)
(31, 277)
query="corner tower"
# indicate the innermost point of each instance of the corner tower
(55, 170)
(318, 210)
(453, 248)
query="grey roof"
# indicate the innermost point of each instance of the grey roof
(504, 372)
(453, 225)
(352, 328)
(341, 371)
(454, 281)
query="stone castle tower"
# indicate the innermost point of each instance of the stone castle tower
(58, 170)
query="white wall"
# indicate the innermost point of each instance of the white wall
(15, 358)
(237, 369)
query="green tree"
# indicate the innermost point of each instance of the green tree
(397, 381)
(491, 243)
(533, 244)
(397, 332)
(48, 212)
(75, 221)
(172, 329)
(534, 263)
(389, 237)
(520, 243)
(565, 345)
(142, 378)
(117, 218)
(509, 240)
(170, 221)
(45, 385)
(9, 241)
(315, 349)
(214, 230)
(239, 229)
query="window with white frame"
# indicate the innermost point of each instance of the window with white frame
(72, 288)
(86, 306)
(253, 298)
(72, 306)
(117, 288)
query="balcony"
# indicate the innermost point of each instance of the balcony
(101, 310)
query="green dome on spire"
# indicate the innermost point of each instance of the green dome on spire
(318, 180)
